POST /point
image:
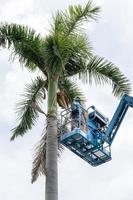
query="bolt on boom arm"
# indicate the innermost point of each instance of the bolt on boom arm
(119, 115)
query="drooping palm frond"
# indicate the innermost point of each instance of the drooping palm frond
(24, 44)
(39, 157)
(71, 90)
(102, 72)
(62, 99)
(68, 91)
(27, 109)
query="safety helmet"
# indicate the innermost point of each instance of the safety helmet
(77, 99)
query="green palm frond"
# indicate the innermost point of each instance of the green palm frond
(59, 51)
(69, 21)
(58, 24)
(53, 54)
(80, 48)
(39, 157)
(72, 90)
(102, 71)
(27, 113)
(76, 15)
(24, 44)
(74, 65)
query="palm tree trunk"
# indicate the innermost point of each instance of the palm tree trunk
(51, 191)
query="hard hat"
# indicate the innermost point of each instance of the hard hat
(77, 99)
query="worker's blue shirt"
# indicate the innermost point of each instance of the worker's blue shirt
(76, 110)
(76, 106)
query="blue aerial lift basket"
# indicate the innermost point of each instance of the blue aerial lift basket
(91, 138)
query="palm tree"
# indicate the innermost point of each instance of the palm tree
(63, 54)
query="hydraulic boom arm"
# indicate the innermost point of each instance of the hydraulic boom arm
(119, 115)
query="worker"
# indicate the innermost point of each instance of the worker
(77, 114)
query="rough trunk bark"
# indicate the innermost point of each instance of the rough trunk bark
(51, 190)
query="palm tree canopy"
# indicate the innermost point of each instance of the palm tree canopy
(65, 51)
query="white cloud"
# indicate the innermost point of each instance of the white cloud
(12, 8)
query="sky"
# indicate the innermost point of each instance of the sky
(112, 37)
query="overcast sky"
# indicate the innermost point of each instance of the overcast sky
(112, 37)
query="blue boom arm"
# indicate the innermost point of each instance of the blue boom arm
(119, 115)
